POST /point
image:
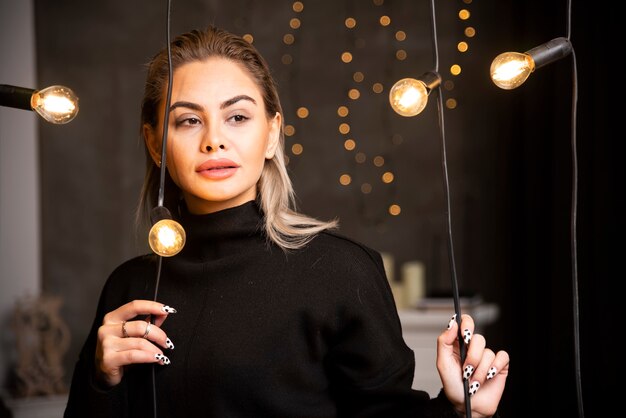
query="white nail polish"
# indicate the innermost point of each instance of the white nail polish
(169, 344)
(168, 309)
(452, 321)
(473, 388)
(163, 359)
(467, 336)
(491, 373)
(469, 370)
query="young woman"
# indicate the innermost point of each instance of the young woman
(265, 312)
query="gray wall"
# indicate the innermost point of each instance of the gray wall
(20, 251)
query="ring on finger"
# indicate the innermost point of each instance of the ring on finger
(124, 332)
(148, 325)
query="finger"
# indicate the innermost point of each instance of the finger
(113, 353)
(148, 331)
(448, 336)
(449, 360)
(484, 366)
(131, 351)
(478, 378)
(137, 308)
(499, 367)
(475, 351)
(467, 328)
(487, 398)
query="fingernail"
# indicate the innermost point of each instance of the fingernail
(168, 309)
(163, 359)
(452, 321)
(491, 373)
(169, 344)
(467, 335)
(468, 371)
(473, 388)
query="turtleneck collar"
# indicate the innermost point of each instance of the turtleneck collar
(218, 234)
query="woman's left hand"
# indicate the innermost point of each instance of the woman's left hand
(485, 370)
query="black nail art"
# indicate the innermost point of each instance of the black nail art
(492, 373)
(467, 335)
(473, 388)
(168, 309)
(163, 359)
(469, 370)
(169, 344)
(451, 321)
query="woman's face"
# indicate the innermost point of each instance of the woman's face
(219, 135)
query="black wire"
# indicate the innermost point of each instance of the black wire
(156, 289)
(455, 285)
(444, 168)
(573, 233)
(573, 220)
(162, 179)
(166, 115)
(433, 25)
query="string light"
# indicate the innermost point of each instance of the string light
(56, 104)
(510, 70)
(166, 237)
(409, 96)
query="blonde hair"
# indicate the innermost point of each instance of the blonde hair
(283, 225)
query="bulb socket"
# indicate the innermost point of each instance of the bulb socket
(16, 97)
(551, 51)
(158, 213)
(430, 79)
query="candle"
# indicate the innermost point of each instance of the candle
(414, 282)
(388, 264)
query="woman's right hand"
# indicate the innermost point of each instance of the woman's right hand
(125, 339)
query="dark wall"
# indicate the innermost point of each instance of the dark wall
(509, 160)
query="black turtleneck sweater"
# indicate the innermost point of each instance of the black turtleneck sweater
(260, 332)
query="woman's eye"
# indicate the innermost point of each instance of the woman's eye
(188, 122)
(238, 118)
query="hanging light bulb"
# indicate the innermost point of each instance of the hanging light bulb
(56, 104)
(409, 96)
(509, 70)
(167, 237)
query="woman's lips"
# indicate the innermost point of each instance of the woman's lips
(217, 169)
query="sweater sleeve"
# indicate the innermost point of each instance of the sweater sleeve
(370, 365)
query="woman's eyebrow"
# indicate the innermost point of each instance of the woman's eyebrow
(235, 99)
(188, 105)
(224, 105)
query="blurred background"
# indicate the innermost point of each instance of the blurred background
(69, 192)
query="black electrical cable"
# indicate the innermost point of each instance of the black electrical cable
(573, 233)
(162, 179)
(444, 168)
(166, 115)
(573, 220)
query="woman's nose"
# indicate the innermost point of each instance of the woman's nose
(213, 141)
(210, 148)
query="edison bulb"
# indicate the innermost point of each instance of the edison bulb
(56, 104)
(167, 237)
(408, 97)
(510, 69)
